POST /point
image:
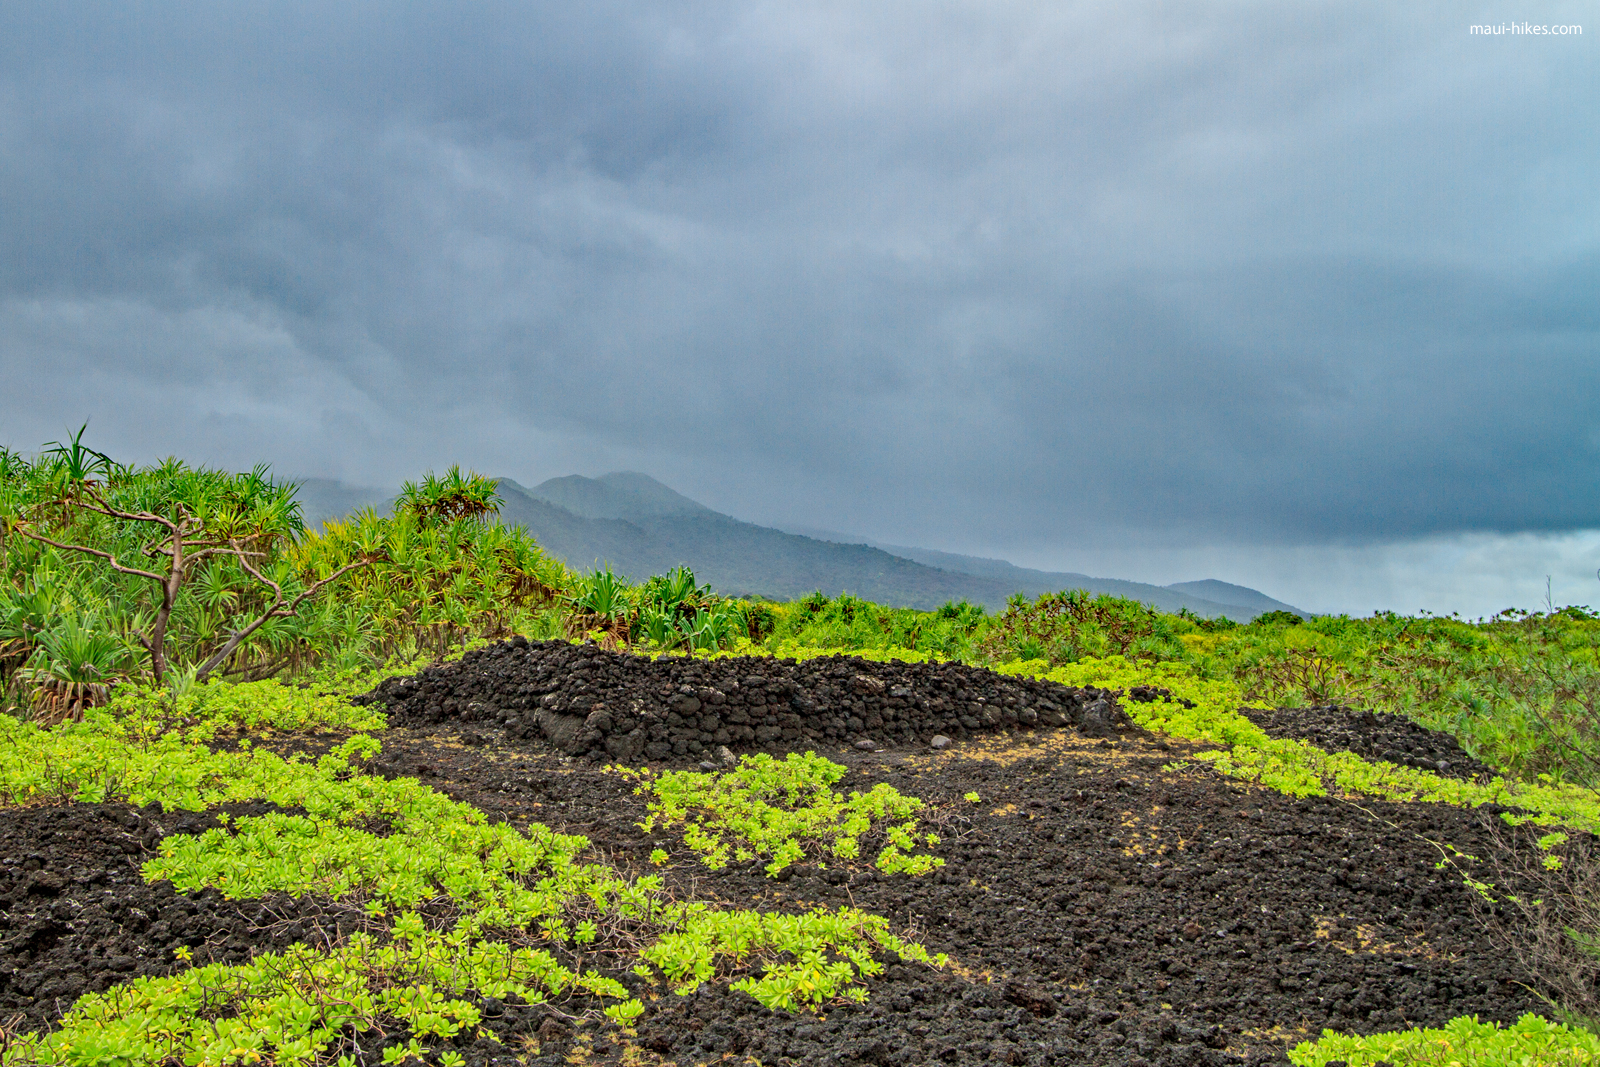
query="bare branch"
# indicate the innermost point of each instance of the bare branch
(204, 549)
(102, 506)
(276, 610)
(263, 579)
(25, 532)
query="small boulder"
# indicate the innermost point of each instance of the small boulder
(1098, 719)
(939, 741)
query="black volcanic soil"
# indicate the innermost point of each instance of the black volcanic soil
(1372, 735)
(76, 917)
(1106, 901)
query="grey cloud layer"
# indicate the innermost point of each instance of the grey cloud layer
(988, 273)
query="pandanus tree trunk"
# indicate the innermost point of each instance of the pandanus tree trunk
(185, 543)
(179, 544)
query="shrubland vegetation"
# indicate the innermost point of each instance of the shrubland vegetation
(145, 611)
(784, 811)
(507, 912)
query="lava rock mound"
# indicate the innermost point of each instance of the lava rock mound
(1371, 735)
(590, 702)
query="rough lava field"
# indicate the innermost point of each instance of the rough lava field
(1105, 901)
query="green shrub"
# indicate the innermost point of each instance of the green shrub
(851, 625)
(1066, 627)
(1529, 1042)
(783, 811)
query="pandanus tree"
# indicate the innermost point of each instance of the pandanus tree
(169, 525)
(199, 572)
(451, 497)
(441, 569)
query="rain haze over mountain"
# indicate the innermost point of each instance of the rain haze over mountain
(1298, 297)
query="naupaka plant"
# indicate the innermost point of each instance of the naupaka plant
(510, 913)
(783, 811)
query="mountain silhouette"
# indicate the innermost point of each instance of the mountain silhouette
(638, 527)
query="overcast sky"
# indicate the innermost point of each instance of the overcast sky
(1299, 295)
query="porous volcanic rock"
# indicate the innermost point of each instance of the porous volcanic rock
(1104, 908)
(587, 701)
(76, 916)
(1373, 735)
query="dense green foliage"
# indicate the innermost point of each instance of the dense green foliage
(1521, 690)
(848, 622)
(429, 585)
(1529, 1042)
(783, 811)
(170, 573)
(1069, 626)
(509, 912)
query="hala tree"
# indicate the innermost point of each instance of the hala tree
(201, 571)
(443, 568)
(449, 497)
(166, 525)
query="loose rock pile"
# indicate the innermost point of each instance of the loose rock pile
(1372, 735)
(606, 705)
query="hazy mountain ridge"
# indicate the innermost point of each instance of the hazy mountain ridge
(639, 527)
(619, 495)
(323, 499)
(736, 557)
(1034, 582)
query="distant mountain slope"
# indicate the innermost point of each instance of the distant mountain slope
(1023, 578)
(665, 528)
(735, 557)
(639, 527)
(1240, 603)
(621, 495)
(1233, 596)
(322, 499)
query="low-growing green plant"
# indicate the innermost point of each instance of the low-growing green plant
(204, 711)
(1207, 709)
(807, 959)
(1529, 1042)
(305, 1006)
(510, 912)
(783, 811)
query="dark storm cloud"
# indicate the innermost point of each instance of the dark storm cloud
(1004, 274)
